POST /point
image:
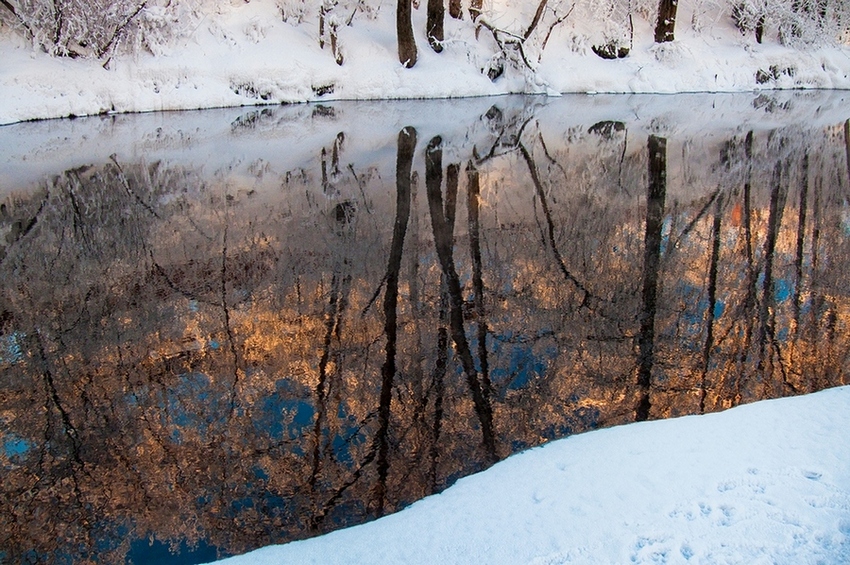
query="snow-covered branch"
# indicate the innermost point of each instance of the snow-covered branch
(515, 45)
(95, 28)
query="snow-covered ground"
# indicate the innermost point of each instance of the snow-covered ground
(767, 483)
(243, 53)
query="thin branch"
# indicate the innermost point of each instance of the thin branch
(552, 27)
(119, 29)
(15, 13)
(515, 40)
(536, 20)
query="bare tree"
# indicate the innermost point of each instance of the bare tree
(86, 28)
(329, 26)
(708, 346)
(515, 44)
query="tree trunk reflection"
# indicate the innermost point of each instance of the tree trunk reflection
(655, 197)
(444, 242)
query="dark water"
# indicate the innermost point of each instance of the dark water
(221, 330)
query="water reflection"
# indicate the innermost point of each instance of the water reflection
(229, 329)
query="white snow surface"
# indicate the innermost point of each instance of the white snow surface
(243, 53)
(766, 483)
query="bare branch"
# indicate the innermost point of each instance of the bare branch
(119, 29)
(552, 27)
(15, 13)
(513, 39)
(536, 20)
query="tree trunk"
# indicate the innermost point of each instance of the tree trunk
(656, 195)
(666, 23)
(538, 14)
(455, 10)
(436, 31)
(751, 289)
(475, 9)
(404, 31)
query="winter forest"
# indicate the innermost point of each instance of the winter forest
(518, 34)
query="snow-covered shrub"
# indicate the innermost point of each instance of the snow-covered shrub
(330, 16)
(706, 13)
(158, 26)
(97, 28)
(294, 11)
(792, 22)
(611, 22)
(297, 12)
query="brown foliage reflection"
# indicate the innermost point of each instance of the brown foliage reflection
(183, 362)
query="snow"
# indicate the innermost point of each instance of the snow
(243, 53)
(763, 483)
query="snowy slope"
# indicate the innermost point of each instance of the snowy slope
(763, 483)
(243, 53)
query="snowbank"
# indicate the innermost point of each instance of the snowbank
(243, 53)
(763, 483)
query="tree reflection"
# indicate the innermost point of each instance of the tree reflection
(406, 146)
(441, 222)
(656, 194)
(188, 361)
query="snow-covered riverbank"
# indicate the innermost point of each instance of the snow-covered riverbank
(763, 483)
(242, 53)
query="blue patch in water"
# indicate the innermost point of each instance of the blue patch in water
(107, 536)
(144, 551)
(342, 451)
(15, 447)
(191, 405)
(241, 504)
(782, 289)
(10, 348)
(524, 362)
(284, 417)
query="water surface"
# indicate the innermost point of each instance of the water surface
(225, 329)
